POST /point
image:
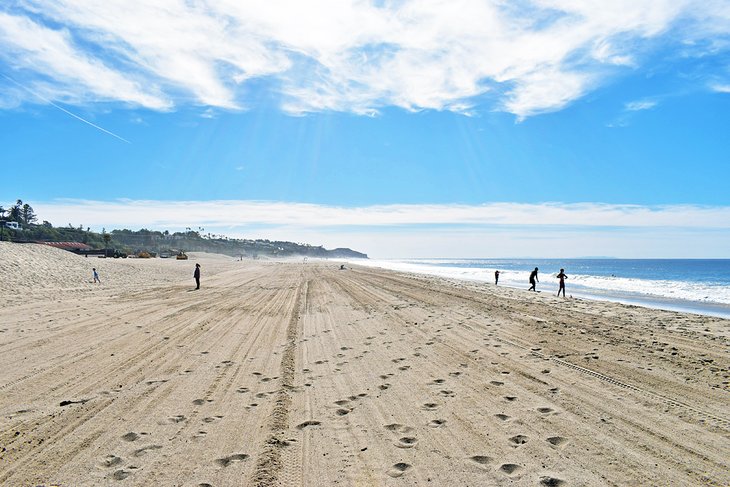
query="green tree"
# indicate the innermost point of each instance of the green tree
(16, 212)
(27, 214)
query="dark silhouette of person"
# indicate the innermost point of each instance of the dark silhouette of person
(196, 275)
(96, 276)
(562, 276)
(533, 280)
(496, 277)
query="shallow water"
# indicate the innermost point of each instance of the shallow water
(693, 285)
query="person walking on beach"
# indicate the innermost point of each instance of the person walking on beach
(96, 276)
(496, 277)
(562, 278)
(533, 280)
(196, 275)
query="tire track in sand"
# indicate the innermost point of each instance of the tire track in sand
(270, 464)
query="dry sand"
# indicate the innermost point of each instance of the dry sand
(302, 374)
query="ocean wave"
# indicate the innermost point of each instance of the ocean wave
(604, 286)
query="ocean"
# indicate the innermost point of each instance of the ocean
(692, 285)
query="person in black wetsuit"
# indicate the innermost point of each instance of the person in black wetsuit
(533, 280)
(196, 275)
(496, 277)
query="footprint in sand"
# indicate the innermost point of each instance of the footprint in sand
(406, 442)
(307, 424)
(242, 390)
(437, 381)
(510, 398)
(199, 402)
(545, 410)
(343, 412)
(176, 419)
(342, 402)
(510, 468)
(111, 461)
(143, 451)
(405, 367)
(398, 469)
(558, 441)
(436, 423)
(131, 436)
(551, 481)
(519, 440)
(481, 459)
(496, 383)
(210, 420)
(120, 475)
(430, 406)
(398, 428)
(200, 434)
(502, 417)
(383, 387)
(226, 461)
(454, 374)
(447, 393)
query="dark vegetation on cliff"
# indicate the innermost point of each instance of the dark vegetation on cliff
(153, 241)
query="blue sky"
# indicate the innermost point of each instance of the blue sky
(424, 129)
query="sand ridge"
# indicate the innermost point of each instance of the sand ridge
(303, 374)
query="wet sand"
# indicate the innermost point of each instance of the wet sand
(303, 374)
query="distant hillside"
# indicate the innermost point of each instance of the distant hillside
(194, 241)
(152, 241)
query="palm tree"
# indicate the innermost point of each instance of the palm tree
(15, 211)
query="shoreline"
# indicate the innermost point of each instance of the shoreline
(717, 310)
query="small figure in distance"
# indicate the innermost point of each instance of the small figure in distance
(96, 276)
(533, 280)
(342, 267)
(562, 276)
(496, 277)
(196, 275)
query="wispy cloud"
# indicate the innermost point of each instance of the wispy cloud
(639, 105)
(497, 229)
(235, 213)
(721, 88)
(347, 55)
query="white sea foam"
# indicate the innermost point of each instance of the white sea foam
(605, 287)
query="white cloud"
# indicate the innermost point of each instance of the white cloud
(51, 53)
(639, 105)
(721, 88)
(496, 229)
(236, 213)
(346, 55)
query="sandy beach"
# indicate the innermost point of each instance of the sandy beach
(292, 373)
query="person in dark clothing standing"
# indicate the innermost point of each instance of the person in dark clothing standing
(496, 277)
(533, 280)
(196, 275)
(562, 278)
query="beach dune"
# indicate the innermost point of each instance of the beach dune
(286, 373)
